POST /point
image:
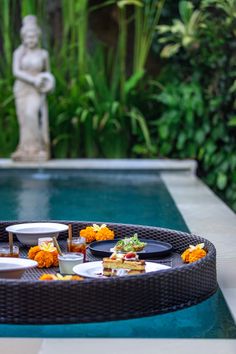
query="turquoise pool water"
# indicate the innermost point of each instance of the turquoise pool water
(123, 197)
(115, 196)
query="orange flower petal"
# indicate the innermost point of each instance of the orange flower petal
(105, 234)
(44, 259)
(88, 233)
(33, 251)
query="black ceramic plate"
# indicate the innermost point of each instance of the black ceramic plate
(151, 250)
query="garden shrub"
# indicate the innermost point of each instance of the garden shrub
(198, 105)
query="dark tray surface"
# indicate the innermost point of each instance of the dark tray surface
(152, 249)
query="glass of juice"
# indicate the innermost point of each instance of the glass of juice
(77, 245)
(5, 251)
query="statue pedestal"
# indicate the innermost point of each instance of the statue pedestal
(23, 156)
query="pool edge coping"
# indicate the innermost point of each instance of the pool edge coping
(212, 220)
(118, 346)
(107, 164)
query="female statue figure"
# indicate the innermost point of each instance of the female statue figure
(33, 81)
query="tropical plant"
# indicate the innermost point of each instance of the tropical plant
(107, 116)
(182, 128)
(183, 33)
(208, 75)
(74, 45)
(228, 7)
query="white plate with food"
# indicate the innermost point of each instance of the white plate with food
(29, 233)
(95, 269)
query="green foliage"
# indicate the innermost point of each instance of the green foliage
(95, 116)
(198, 108)
(181, 126)
(187, 129)
(183, 33)
(8, 124)
(147, 17)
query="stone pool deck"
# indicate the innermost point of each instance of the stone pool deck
(204, 213)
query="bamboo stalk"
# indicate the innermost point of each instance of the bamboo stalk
(122, 52)
(82, 21)
(6, 32)
(28, 7)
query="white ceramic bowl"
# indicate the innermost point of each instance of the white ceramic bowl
(13, 268)
(29, 233)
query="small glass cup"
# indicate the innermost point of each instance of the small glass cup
(5, 251)
(44, 240)
(68, 260)
(78, 245)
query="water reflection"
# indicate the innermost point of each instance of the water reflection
(33, 199)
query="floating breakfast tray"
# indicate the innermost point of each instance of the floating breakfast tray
(30, 301)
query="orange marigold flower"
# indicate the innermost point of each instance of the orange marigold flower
(193, 253)
(88, 233)
(105, 234)
(44, 259)
(196, 254)
(185, 256)
(33, 251)
(55, 258)
(47, 277)
(59, 277)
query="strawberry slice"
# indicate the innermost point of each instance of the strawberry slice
(130, 255)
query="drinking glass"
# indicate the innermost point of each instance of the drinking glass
(78, 245)
(5, 251)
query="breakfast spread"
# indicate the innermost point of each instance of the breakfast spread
(124, 261)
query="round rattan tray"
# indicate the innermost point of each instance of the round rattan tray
(29, 301)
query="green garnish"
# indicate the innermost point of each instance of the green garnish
(130, 244)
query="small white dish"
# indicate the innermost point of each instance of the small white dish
(94, 269)
(29, 233)
(13, 268)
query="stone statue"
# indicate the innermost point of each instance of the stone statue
(33, 81)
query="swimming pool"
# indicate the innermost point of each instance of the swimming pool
(115, 196)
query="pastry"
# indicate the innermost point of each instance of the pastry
(129, 262)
